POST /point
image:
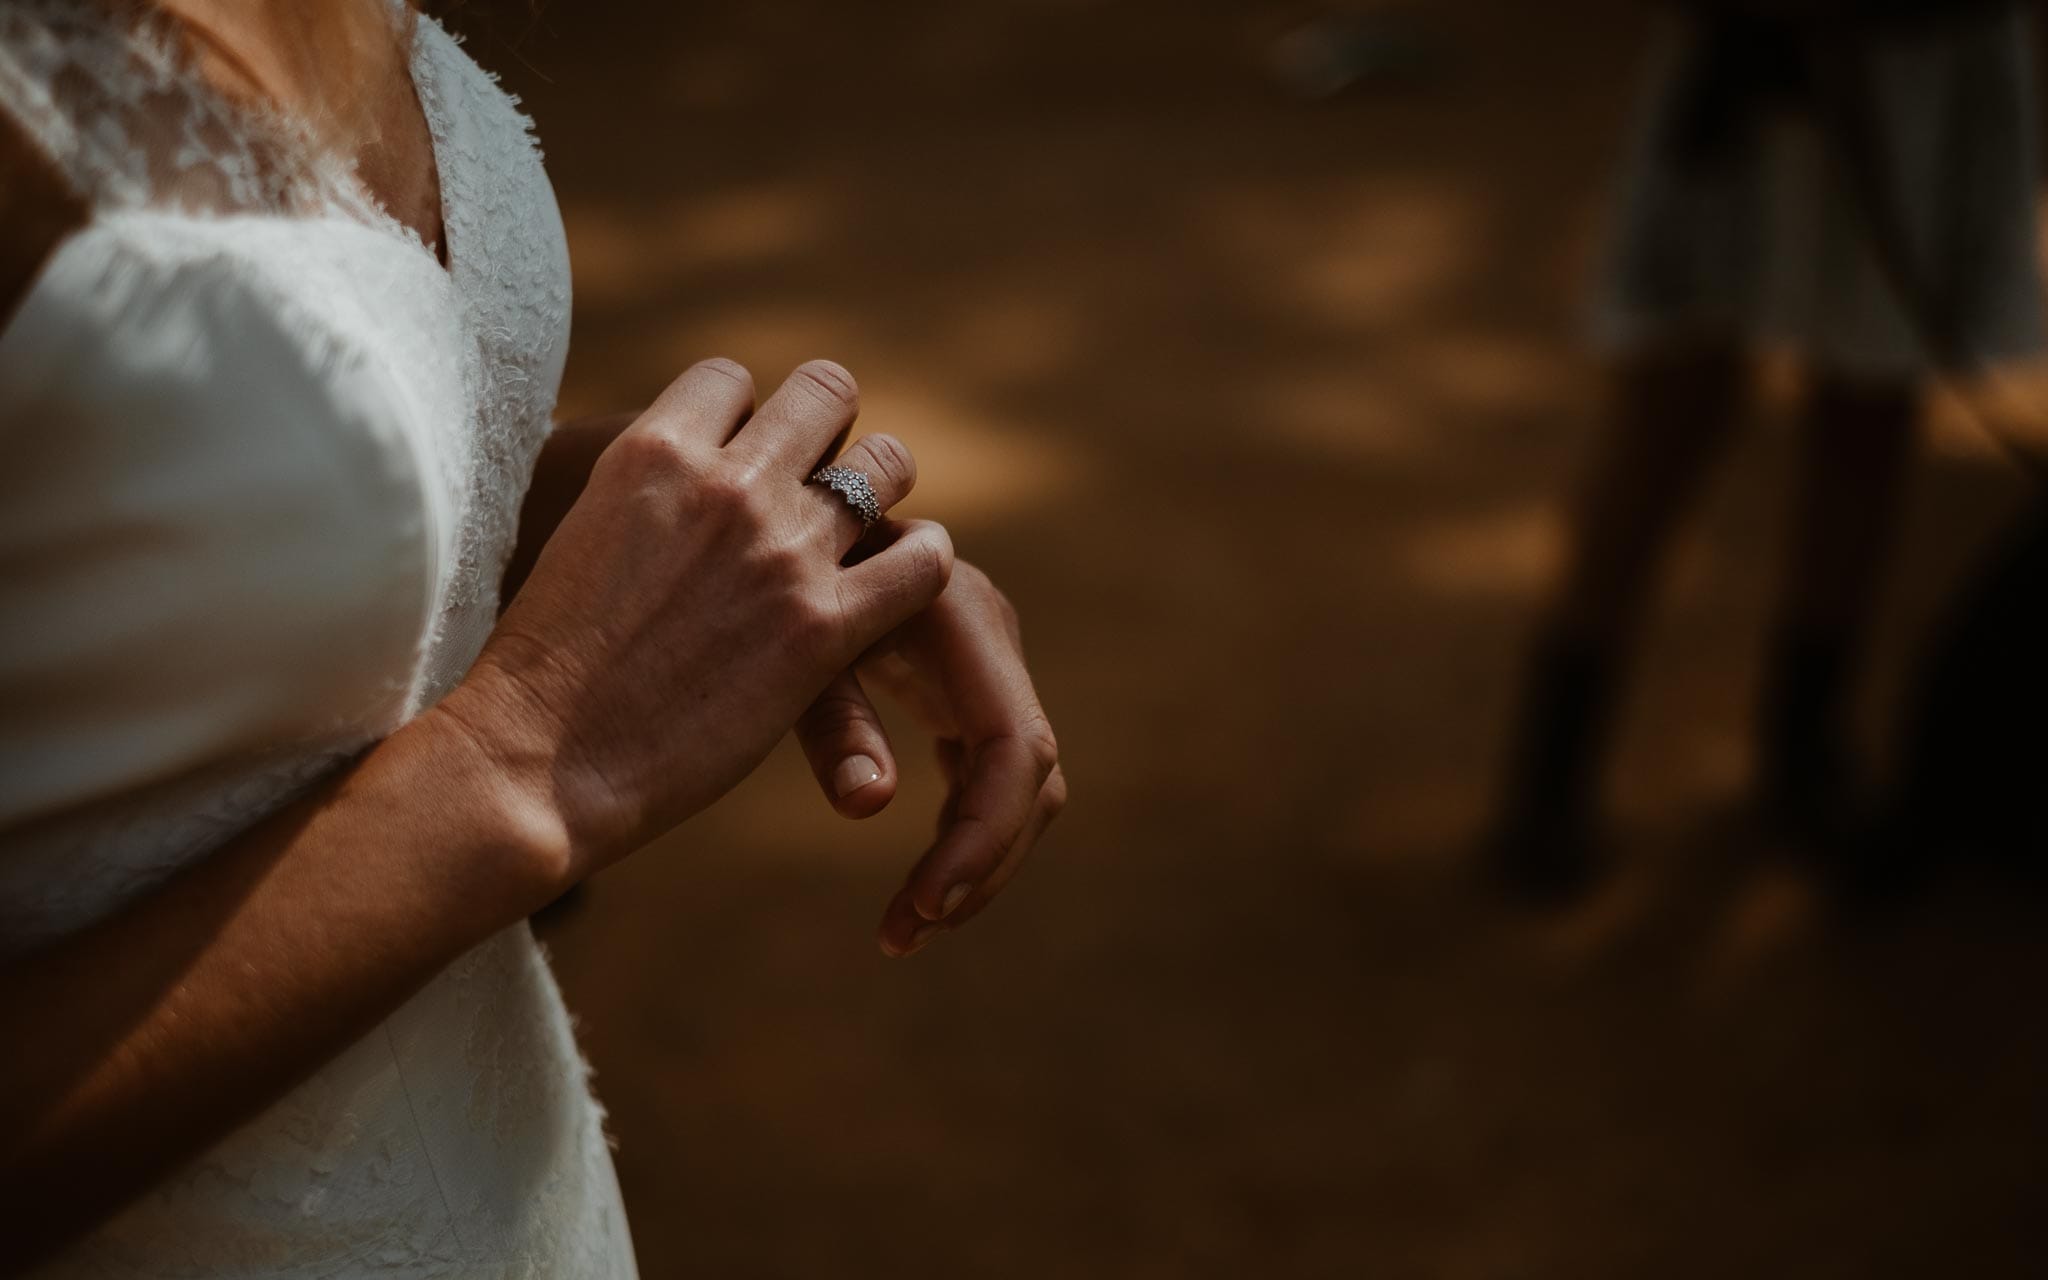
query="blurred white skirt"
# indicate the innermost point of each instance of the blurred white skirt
(1766, 244)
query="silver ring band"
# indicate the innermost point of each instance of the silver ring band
(855, 487)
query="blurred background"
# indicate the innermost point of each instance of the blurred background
(1260, 381)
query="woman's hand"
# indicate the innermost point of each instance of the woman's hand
(689, 607)
(560, 474)
(958, 666)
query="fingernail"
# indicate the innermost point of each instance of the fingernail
(924, 934)
(954, 897)
(853, 773)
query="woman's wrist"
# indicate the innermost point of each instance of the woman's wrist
(516, 849)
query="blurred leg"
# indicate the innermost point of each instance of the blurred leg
(1672, 414)
(1855, 451)
(1670, 419)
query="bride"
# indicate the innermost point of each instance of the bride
(285, 298)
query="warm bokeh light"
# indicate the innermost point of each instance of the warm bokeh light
(1266, 412)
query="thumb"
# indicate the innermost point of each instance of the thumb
(843, 738)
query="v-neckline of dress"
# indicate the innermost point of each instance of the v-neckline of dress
(443, 253)
(441, 249)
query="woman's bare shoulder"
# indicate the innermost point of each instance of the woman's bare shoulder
(38, 210)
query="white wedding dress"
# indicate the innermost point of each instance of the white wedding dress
(263, 463)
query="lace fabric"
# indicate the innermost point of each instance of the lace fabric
(117, 105)
(459, 1138)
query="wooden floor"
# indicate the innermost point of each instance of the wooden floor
(1261, 411)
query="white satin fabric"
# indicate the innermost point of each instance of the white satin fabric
(264, 458)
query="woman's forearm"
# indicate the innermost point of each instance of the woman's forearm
(242, 975)
(138, 1042)
(690, 605)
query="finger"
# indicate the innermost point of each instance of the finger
(903, 931)
(953, 768)
(963, 676)
(843, 738)
(1004, 779)
(911, 566)
(1051, 799)
(706, 404)
(891, 472)
(805, 418)
(904, 928)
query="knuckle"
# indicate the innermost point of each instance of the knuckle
(785, 566)
(830, 382)
(726, 491)
(970, 577)
(1043, 746)
(892, 460)
(838, 715)
(650, 451)
(741, 490)
(1004, 608)
(816, 624)
(725, 367)
(1054, 797)
(935, 559)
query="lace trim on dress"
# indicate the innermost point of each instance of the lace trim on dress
(505, 252)
(119, 106)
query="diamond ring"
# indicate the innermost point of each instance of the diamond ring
(855, 488)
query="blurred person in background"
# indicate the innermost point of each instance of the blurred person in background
(286, 300)
(1852, 180)
(1348, 49)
